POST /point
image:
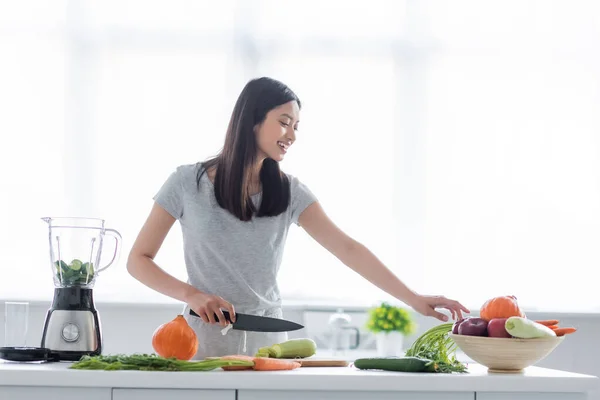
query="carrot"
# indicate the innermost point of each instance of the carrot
(274, 364)
(553, 327)
(564, 331)
(236, 367)
(547, 322)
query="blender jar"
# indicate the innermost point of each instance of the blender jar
(76, 246)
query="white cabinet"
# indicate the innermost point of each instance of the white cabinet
(354, 395)
(51, 393)
(172, 394)
(530, 396)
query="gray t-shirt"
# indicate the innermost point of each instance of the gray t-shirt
(227, 257)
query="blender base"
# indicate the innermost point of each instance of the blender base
(72, 326)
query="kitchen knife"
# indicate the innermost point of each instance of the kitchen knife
(247, 322)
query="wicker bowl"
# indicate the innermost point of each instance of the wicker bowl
(506, 354)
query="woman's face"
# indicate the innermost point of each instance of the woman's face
(277, 132)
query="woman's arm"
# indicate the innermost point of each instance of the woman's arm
(141, 265)
(360, 259)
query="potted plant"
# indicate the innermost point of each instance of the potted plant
(390, 324)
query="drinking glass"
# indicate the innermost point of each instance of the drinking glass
(16, 318)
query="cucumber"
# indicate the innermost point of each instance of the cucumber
(68, 273)
(76, 265)
(60, 264)
(399, 364)
(87, 267)
(76, 273)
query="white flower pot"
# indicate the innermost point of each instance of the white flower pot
(389, 344)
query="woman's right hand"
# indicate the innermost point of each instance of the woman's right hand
(207, 305)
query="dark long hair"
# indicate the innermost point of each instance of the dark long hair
(236, 160)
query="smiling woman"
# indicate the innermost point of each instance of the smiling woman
(235, 210)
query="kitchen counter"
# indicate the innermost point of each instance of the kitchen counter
(27, 380)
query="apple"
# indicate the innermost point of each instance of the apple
(457, 324)
(473, 327)
(496, 328)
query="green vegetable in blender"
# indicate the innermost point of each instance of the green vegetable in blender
(152, 362)
(60, 264)
(435, 345)
(88, 267)
(75, 273)
(76, 265)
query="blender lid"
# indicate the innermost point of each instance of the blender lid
(27, 354)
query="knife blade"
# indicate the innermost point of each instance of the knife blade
(256, 323)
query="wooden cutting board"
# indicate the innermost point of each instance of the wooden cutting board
(312, 362)
(323, 363)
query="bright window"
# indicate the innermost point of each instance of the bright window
(458, 141)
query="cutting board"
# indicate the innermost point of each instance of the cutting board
(322, 362)
(312, 361)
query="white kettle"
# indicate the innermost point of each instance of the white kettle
(341, 332)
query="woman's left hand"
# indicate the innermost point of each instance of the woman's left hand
(426, 305)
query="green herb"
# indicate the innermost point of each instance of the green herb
(437, 346)
(152, 362)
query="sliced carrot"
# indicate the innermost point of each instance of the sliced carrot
(547, 322)
(564, 331)
(553, 327)
(239, 358)
(274, 364)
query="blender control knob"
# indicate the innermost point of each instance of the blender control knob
(70, 332)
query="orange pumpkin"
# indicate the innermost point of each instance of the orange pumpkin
(175, 339)
(501, 307)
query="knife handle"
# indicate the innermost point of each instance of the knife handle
(225, 313)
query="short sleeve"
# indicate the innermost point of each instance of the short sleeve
(170, 195)
(302, 197)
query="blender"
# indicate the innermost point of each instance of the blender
(72, 325)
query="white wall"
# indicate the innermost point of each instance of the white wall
(128, 328)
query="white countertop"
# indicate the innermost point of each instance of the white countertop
(533, 379)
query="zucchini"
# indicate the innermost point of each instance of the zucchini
(399, 364)
(293, 348)
(524, 328)
(265, 352)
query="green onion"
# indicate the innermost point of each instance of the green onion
(151, 362)
(435, 345)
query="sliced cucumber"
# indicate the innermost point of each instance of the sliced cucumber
(76, 273)
(60, 264)
(87, 268)
(76, 265)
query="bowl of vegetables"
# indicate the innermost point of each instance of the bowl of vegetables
(506, 354)
(503, 339)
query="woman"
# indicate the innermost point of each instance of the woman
(235, 210)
